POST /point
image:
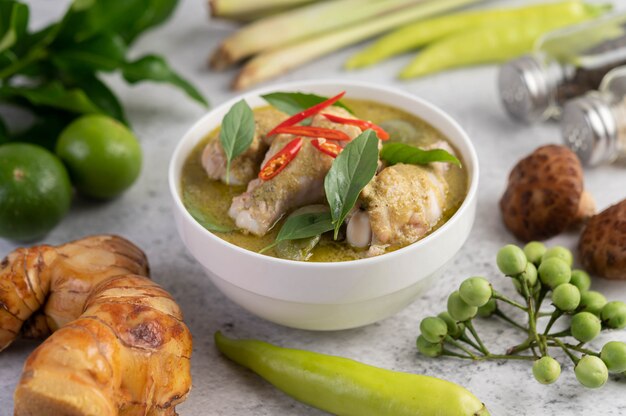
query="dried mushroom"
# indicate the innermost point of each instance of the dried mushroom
(602, 244)
(545, 194)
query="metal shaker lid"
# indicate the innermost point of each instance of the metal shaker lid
(525, 89)
(589, 128)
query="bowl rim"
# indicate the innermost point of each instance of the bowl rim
(470, 157)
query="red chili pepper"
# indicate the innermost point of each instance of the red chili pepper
(331, 149)
(296, 118)
(362, 124)
(280, 160)
(309, 131)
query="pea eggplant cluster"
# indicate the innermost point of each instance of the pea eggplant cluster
(536, 272)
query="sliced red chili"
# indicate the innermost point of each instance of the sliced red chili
(362, 124)
(280, 160)
(309, 131)
(311, 111)
(331, 149)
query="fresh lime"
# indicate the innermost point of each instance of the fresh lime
(35, 191)
(101, 154)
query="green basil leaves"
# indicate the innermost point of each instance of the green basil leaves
(351, 171)
(57, 68)
(301, 226)
(394, 153)
(154, 68)
(207, 222)
(295, 102)
(237, 132)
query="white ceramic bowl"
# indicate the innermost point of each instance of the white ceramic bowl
(327, 296)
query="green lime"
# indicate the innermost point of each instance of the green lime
(101, 154)
(35, 191)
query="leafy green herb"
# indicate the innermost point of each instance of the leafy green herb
(57, 68)
(207, 222)
(154, 68)
(295, 102)
(55, 95)
(351, 171)
(13, 23)
(393, 153)
(101, 96)
(301, 226)
(104, 52)
(237, 132)
(129, 18)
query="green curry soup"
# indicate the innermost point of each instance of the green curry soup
(213, 198)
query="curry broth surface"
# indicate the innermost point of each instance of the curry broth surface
(213, 198)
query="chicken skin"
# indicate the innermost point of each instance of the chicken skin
(300, 183)
(398, 207)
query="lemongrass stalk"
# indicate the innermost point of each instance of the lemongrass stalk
(421, 33)
(248, 10)
(303, 22)
(490, 43)
(270, 64)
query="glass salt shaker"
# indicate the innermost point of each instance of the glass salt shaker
(565, 64)
(594, 125)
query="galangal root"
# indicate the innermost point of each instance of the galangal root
(118, 345)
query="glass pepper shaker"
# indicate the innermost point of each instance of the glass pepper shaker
(565, 64)
(594, 125)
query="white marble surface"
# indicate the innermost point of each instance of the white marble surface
(160, 116)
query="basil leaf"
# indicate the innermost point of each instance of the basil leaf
(129, 18)
(305, 225)
(105, 52)
(13, 23)
(45, 129)
(102, 96)
(301, 226)
(207, 222)
(154, 68)
(393, 153)
(55, 95)
(350, 172)
(237, 132)
(295, 102)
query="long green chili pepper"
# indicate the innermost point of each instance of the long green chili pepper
(420, 33)
(348, 388)
(496, 42)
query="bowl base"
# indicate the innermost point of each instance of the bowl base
(323, 317)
